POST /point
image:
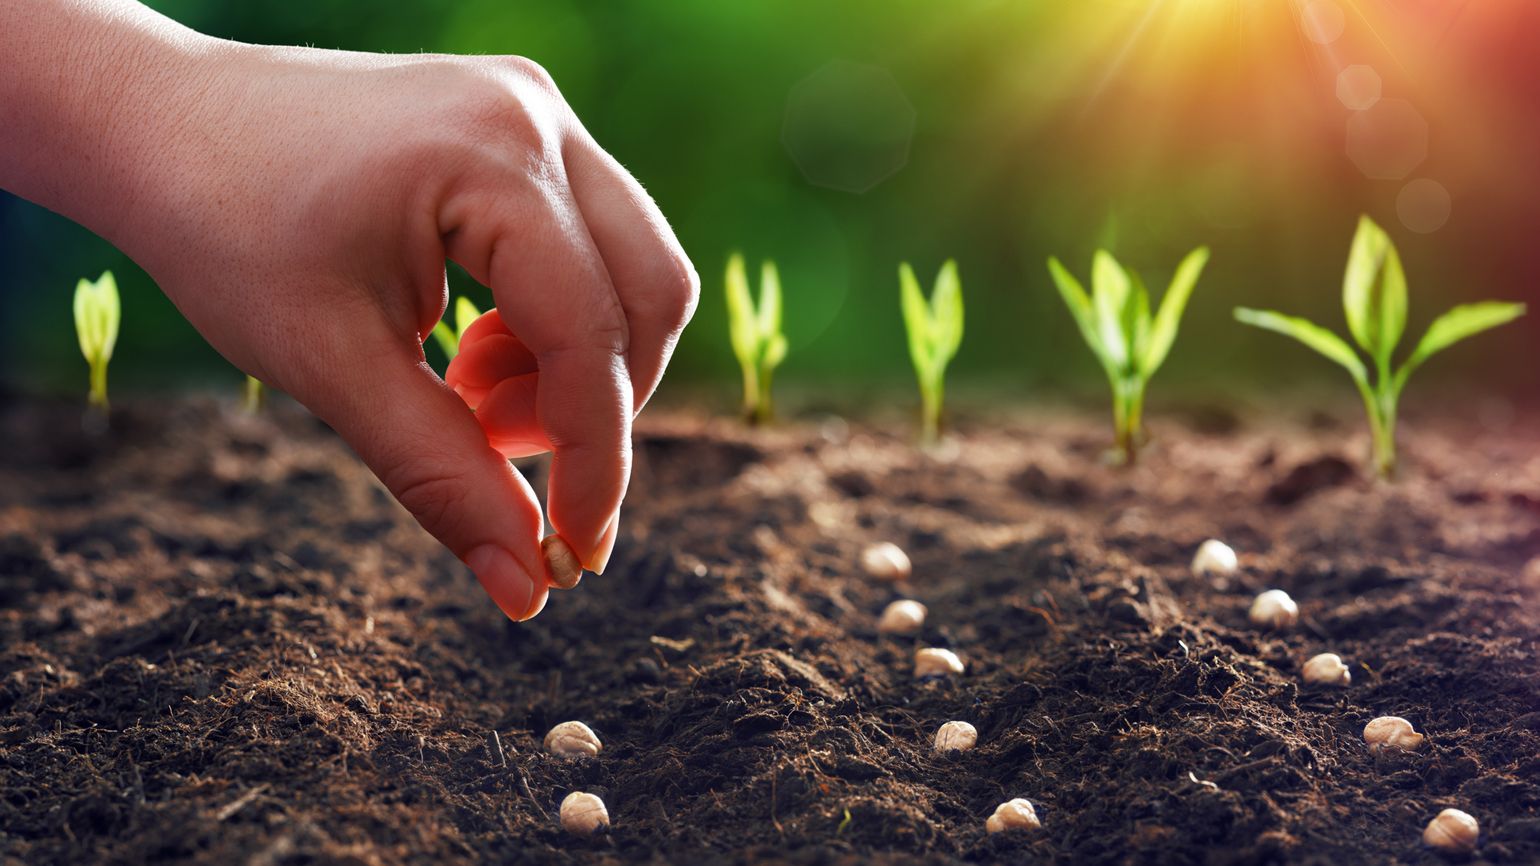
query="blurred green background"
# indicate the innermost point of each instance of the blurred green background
(843, 137)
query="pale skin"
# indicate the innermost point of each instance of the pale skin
(298, 206)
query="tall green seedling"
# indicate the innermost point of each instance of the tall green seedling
(935, 330)
(1375, 301)
(1115, 320)
(254, 395)
(98, 312)
(755, 331)
(449, 338)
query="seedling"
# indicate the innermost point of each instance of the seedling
(1116, 323)
(98, 313)
(935, 331)
(1374, 299)
(756, 334)
(253, 402)
(449, 338)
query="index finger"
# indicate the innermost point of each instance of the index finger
(554, 293)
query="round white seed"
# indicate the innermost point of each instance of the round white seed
(1391, 732)
(886, 561)
(1327, 669)
(1452, 831)
(904, 616)
(956, 737)
(936, 662)
(1016, 814)
(583, 813)
(573, 738)
(1214, 557)
(1274, 609)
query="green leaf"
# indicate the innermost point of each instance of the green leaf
(98, 314)
(775, 352)
(1110, 290)
(1374, 292)
(917, 320)
(741, 319)
(1136, 318)
(1463, 321)
(1311, 334)
(465, 315)
(1080, 308)
(947, 313)
(447, 340)
(769, 301)
(1163, 332)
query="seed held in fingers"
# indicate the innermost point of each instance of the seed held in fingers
(1274, 609)
(1391, 732)
(1452, 831)
(573, 738)
(886, 561)
(956, 737)
(1017, 814)
(561, 564)
(904, 616)
(936, 662)
(1213, 558)
(583, 813)
(1327, 669)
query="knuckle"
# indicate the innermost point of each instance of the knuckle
(435, 499)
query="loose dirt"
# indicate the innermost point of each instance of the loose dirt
(221, 642)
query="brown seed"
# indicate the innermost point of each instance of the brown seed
(1016, 814)
(561, 564)
(1452, 831)
(1391, 732)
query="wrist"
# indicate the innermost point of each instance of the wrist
(93, 92)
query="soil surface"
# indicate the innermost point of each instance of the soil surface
(221, 642)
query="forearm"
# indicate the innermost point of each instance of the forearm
(88, 88)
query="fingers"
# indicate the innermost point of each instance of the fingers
(554, 293)
(654, 280)
(425, 445)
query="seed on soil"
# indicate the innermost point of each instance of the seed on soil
(1391, 732)
(936, 662)
(583, 813)
(561, 563)
(1214, 558)
(1453, 832)
(573, 738)
(1327, 669)
(904, 616)
(956, 737)
(886, 561)
(1274, 609)
(1016, 814)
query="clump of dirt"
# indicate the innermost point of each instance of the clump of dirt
(221, 641)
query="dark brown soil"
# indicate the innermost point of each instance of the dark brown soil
(221, 642)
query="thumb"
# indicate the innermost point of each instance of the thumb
(422, 441)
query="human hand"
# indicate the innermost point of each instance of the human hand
(298, 206)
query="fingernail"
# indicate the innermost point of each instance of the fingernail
(504, 579)
(601, 557)
(561, 564)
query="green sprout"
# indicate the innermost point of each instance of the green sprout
(1116, 323)
(756, 333)
(98, 313)
(449, 338)
(1374, 299)
(935, 332)
(253, 402)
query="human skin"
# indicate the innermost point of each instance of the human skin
(298, 206)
